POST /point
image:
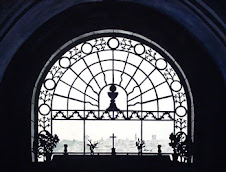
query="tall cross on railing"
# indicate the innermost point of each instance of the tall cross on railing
(113, 143)
(113, 140)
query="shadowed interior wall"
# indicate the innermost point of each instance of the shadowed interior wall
(199, 65)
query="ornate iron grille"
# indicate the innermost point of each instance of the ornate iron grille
(86, 81)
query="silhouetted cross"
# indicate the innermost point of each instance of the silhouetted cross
(113, 138)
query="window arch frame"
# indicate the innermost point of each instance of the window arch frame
(113, 33)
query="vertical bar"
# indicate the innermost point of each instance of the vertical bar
(174, 128)
(113, 68)
(141, 129)
(84, 138)
(99, 106)
(113, 140)
(51, 122)
(141, 133)
(127, 112)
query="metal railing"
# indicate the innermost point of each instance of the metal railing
(109, 153)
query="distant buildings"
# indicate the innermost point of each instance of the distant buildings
(121, 145)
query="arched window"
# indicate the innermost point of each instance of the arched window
(112, 82)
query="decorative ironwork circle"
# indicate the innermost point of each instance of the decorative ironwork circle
(113, 43)
(161, 64)
(49, 84)
(87, 48)
(65, 62)
(176, 86)
(181, 111)
(44, 109)
(139, 49)
(182, 136)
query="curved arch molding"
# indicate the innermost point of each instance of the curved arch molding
(26, 17)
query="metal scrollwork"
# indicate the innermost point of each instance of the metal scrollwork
(74, 86)
(46, 144)
(181, 147)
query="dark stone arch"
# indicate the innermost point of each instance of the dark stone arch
(199, 64)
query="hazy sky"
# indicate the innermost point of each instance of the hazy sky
(122, 129)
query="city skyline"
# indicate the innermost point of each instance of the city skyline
(122, 145)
